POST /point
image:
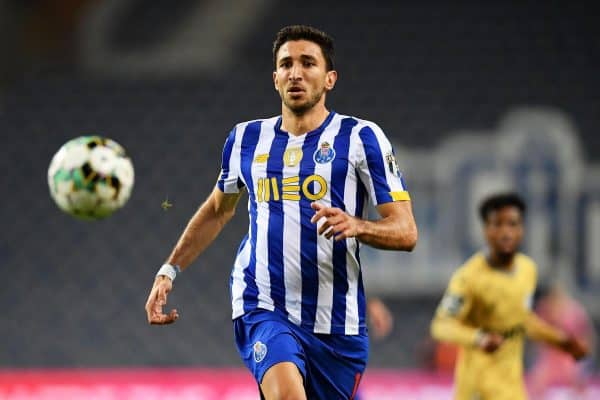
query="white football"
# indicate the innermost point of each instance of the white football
(90, 177)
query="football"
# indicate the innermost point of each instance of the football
(90, 177)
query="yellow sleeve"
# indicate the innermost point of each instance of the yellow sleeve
(449, 325)
(535, 327)
(540, 330)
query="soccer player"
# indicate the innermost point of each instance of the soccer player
(296, 285)
(487, 309)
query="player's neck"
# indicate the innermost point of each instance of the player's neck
(299, 124)
(500, 261)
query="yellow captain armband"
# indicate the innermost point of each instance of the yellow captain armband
(400, 196)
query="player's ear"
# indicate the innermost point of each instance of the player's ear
(330, 79)
(275, 80)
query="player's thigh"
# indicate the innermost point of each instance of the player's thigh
(335, 366)
(283, 381)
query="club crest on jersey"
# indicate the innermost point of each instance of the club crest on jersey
(452, 304)
(392, 164)
(528, 303)
(260, 351)
(324, 154)
(292, 156)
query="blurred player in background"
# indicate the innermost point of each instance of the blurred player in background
(487, 309)
(552, 366)
(296, 286)
(380, 318)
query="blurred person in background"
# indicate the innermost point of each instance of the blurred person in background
(298, 300)
(552, 366)
(487, 309)
(381, 320)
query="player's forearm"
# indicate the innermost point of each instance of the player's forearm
(390, 233)
(538, 329)
(201, 231)
(448, 329)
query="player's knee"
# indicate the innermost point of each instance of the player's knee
(283, 391)
(286, 396)
(283, 382)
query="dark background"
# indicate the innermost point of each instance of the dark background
(74, 292)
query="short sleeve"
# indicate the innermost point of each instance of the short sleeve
(457, 300)
(229, 178)
(378, 168)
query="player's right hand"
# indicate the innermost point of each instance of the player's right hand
(575, 347)
(490, 342)
(157, 299)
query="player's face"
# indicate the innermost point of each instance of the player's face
(301, 75)
(504, 230)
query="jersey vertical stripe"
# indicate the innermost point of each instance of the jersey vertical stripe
(323, 317)
(276, 221)
(283, 265)
(362, 301)
(263, 240)
(339, 184)
(237, 283)
(308, 239)
(249, 141)
(292, 234)
(355, 309)
(226, 159)
(231, 162)
(382, 181)
(231, 183)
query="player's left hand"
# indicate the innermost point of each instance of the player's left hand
(338, 223)
(574, 346)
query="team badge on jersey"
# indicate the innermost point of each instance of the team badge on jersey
(260, 351)
(292, 156)
(528, 303)
(452, 304)
(324, 154)
(392, 164)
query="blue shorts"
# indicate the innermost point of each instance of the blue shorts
(331, 365)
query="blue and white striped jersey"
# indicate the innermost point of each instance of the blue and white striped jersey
(283, 265)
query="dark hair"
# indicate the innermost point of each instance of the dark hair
(305, 32)
(498, 201)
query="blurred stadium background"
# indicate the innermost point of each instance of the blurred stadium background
(475, 97)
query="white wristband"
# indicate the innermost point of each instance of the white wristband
(169, 270)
